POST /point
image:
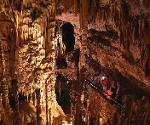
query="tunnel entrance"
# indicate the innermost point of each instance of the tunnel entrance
(68, 36)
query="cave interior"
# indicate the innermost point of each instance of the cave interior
(74, 62)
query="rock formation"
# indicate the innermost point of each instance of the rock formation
(54, 53)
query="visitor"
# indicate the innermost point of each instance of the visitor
(105, 83)
(106, 87)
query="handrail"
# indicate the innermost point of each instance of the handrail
(101, 92)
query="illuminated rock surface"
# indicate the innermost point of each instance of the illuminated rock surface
(54, 53)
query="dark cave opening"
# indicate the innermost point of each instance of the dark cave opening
(68, 36)
(62, 90)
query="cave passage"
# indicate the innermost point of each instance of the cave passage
(68, 36)
(62, 90)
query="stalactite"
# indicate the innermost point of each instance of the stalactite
(128, 39)
(31, 98)
(75, 6)
(145, 59)
(124, 25)
(38, 107)
(121, 36)
(145, 48)
(140, 32)
(131, 31)
(136, 33)
(93, 9)
(34, 99)
(15, 94)
(27, 97)
(116, 15)
(46, 105)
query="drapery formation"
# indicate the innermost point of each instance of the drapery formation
(28, 56)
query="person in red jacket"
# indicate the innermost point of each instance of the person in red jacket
(106, 87)
(105, 81)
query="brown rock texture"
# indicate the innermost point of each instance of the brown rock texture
(43, 75)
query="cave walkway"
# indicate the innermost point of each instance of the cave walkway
(90, 83)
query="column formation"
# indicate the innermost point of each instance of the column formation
(83, 53)
(84, 30)
(5, 76)
(50, 56)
